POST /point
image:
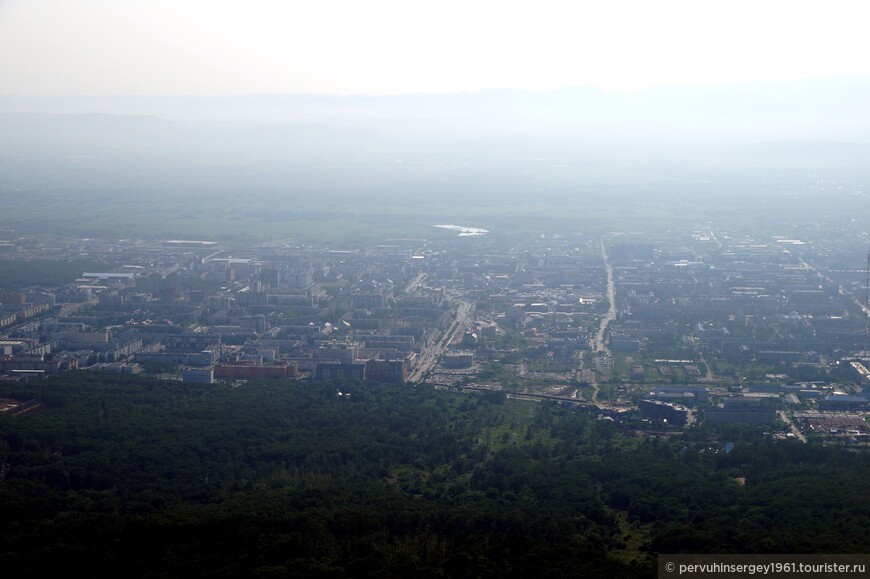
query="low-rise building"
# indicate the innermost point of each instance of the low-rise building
(198, 375)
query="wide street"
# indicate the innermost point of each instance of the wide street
(430, 356)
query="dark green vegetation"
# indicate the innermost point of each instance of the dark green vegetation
(17, 274)
(128, 476)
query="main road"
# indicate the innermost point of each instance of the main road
(430, 356)
(864, 306)
(792, 426)
(599, 344)
(599, 347)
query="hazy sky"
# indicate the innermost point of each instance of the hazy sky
(198, 47)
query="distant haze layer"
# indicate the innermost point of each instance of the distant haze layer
(331, 165)
(224, 47)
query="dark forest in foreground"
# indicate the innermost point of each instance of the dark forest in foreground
(130, 476)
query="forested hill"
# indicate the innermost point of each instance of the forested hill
(133, 477)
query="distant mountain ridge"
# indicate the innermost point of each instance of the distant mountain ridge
(830, 108)
(496, 140)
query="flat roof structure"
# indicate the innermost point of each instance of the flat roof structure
(108, 275)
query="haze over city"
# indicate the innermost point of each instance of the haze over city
(392, 289)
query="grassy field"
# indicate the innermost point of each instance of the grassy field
(360, 225)
(349, 215)
(331, 216)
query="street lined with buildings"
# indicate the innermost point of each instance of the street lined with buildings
(701, 327)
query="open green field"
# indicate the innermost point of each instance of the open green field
(19, 274)
(334, 220)
(345, 216)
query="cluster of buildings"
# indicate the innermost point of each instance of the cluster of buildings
(738, 299)
(691, 314)
(267, 313)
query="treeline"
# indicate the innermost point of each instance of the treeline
(17, 274)
(137, 477)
